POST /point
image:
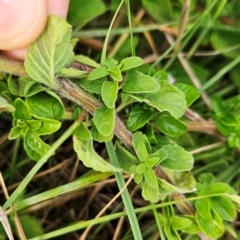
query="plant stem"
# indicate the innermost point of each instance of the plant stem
(12, 67)
(89, 103)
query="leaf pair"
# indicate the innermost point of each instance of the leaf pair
(167, 124)
(143, 172)
(213, 210)
(173, 158)
(172, 224)
(114, 70)
(34, 118)
(109, 88)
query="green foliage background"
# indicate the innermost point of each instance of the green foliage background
(168, 71)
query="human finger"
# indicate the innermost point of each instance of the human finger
(56, 7)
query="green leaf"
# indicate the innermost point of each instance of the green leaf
(116, 74)
(206, 178)
(160, 10)
(193, 228)
(230, 120)
(14, 133)
(104, 120)
(46, 105)
(178, 159)
(111, 64)
(160, 75)
(167, 98)
(86, 60)
(152, 161)
(50, 52)
(34, 146)
(24, 131)
(218, 107)
(97, 136)
(213, 228)
(223, 129)
(150, 178)
(138, 138)
(34, 125)
(126, 159)
(185, 181)
(12, 86)
(137, 177)
(126, 99)
(168, 212)
(224, 207)
(149, 193)
(235, 199)
(131, 62)
(138, 117)
(141, 152)
(48, 126)
(149, 131)
(137, 82)
(93, 86)
(87, 154)
(34, 141)
(179, 223)
(31, 226)
(203, 208)
(79, 15)
(165, 188)
(97, 73)
(191, 93)
(71, 73)
(234, 140)
(5, 105)
(34, 89)
(76, 113)
(25, 83)
(213, 188)
(223, 38)
(170, 232)
(21, 110)
(109, 93)
(140, 169)
(161, 154)
(170, 125)
(217, 188)
(5, 93)
(82, 132)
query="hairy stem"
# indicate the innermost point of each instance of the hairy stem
(12, 67)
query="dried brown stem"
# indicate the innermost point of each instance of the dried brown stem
(203, 126)
(89, 103)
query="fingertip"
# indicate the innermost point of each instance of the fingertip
(18, 54)
(21, 22)
(58, 7)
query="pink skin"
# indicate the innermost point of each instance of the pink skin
(23, 21)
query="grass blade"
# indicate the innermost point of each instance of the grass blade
(125, 194)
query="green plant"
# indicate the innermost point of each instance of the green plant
(149, 147)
